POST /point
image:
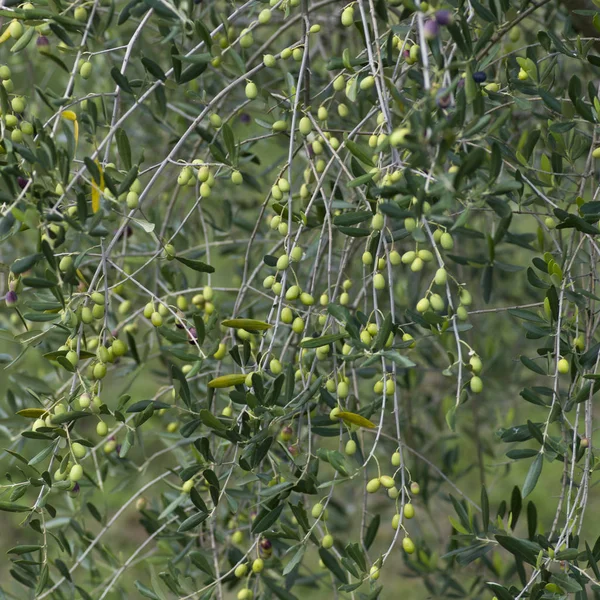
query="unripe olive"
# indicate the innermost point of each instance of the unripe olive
(461, 313)
(280, 126)
(258, 565)
(390, 387)
(241, 570)
(99, 371)
(396, 458)
(80, 13)
(98, 311)
(563, 366)
(327, 541)
(283, 262)
(156, 319)
(298, 325)
(476, 385)
(15, 29)
(476, 364)
(84, 401)
(344, 298)
(86, 70)
(386, 481)
(373, 485)
(347, 17)
(437, 302)
(26, 127)
(322, 113)
(409, 510)
(297, 54)
(78, 450)
(215, 120)
(410, 224)
(395, 521)
(251, 90)
(367, 83)
(237, 537)
(423, 305)
(415, 488)
(72, 357)
(446, 241)
(275, 366)
(245, 594)
(465, 297)
(287, 316)
(102, 428)
(76, 473)
(37, 424)
(269, 60)
(409, 257)
(342, 390)
(317, 147)
(18, 104)
(16, 135)
(350, 448)
(292, 292)
(306, 299)
(277, 287)
(408, 545)
(264, 16)
(374, 572)
(5, 72)
(378, 281)
(317, 510)
(377, 222)
(441, 276)
(187, 486)
(339, 83)
(395, 257)
(425, 255)
(246, 38)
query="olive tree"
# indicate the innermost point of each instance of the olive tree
(299, 298)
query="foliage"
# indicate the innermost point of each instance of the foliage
(247, 252)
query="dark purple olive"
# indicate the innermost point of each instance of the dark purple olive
(42, 42)
(266, 544)
(11, 298)
(479, 76)
(444, 17)
(431, 30)
(444, 100)
(245, 118)
(192, 335)
(75, 489)
(22, 182)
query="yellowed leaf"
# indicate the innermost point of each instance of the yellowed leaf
(353, 419)
(97, 188)
(251, 324)
(227, 381)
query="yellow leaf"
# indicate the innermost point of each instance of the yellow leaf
(227, 381)
(96, 189)
(32, 413)
(354, 419)
(251, 324)
(69, 115)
